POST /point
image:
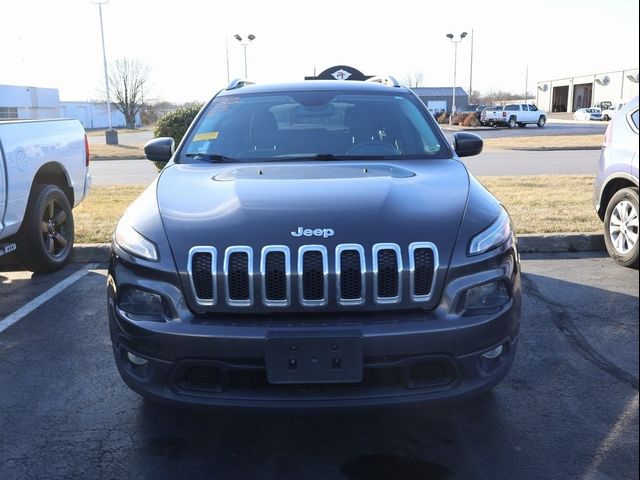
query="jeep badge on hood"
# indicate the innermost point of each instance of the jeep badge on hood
(313, 232)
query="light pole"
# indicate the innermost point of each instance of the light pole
(111, 136)
(455, 64)
(471, 69)
(250, 39)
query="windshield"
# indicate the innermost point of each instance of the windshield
(324, 125)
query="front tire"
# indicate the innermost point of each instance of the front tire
(541, 121)
(512, 122)
(45, 239)
(621, 227)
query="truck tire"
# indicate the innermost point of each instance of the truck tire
(45, 239)
(541, 121)
(621, 227)
(512, 122)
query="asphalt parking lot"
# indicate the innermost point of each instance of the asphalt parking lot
(567, 410)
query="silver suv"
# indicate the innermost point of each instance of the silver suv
(615, 194)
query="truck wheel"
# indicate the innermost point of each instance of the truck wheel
(45, 239)
(541, 121)
(621, 227)
(512, 122)
(606, 118)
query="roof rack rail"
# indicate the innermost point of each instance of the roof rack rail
(387, 80)
(239, 83)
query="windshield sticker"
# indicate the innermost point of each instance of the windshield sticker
(201, 137)
(222, 104)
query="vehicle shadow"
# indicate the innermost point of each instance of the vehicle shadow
(526, 428)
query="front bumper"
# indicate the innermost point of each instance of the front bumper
(407, 356)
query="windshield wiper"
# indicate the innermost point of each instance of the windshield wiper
(211, 157)
(322, 157)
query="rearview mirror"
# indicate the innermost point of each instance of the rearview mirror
(159, 149)
(467, 144)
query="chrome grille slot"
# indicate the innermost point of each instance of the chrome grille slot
(313, 275)
(387, 273)
(238, 272)
(202, 273)
(275, 271)
(423, 264)
(350, 274)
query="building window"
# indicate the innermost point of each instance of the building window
(8, 113)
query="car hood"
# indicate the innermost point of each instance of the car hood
(256, 205)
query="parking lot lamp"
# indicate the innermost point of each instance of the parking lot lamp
(455, 42)
(111, 136)
(250, 38)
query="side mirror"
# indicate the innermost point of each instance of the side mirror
(467, 144)
(160, 149)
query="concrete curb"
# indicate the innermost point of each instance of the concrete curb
(561, 242)
(527, 243)
(90, 253)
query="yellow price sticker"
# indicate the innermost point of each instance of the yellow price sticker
(201, 137)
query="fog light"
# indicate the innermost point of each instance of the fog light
(493, 353)
(489, 296)
(140, 302)
(136, 360)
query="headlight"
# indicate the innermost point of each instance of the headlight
(494, 236)
(489, 296)
(134, 243)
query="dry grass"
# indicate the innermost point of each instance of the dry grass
(115, 152)
(547, 203)
(545, 142)
(537, 204)
(96, 217)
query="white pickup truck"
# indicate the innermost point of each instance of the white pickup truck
(44, 173)
(514, 114)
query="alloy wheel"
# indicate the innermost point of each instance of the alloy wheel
(55, 234)
(623, 227)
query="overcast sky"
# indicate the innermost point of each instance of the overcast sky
(48, 43)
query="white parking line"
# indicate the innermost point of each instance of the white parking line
(25, 310)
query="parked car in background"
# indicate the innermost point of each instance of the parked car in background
(615, 194)
(492, 111)
(513, 115)
(44, 172)
(592, 113)
(479, 110)
(608, 113)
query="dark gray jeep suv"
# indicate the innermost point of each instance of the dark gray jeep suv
(314, 244)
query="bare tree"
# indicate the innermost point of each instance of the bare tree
(494, 97)
(413, 81)
(128, 81)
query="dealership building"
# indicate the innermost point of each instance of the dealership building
(26, 102)
(572, 93)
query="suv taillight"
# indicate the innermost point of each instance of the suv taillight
(608, 136)
(86, 150)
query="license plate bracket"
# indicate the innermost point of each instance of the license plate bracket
(314, 360)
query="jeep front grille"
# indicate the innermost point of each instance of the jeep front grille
(383, 270)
